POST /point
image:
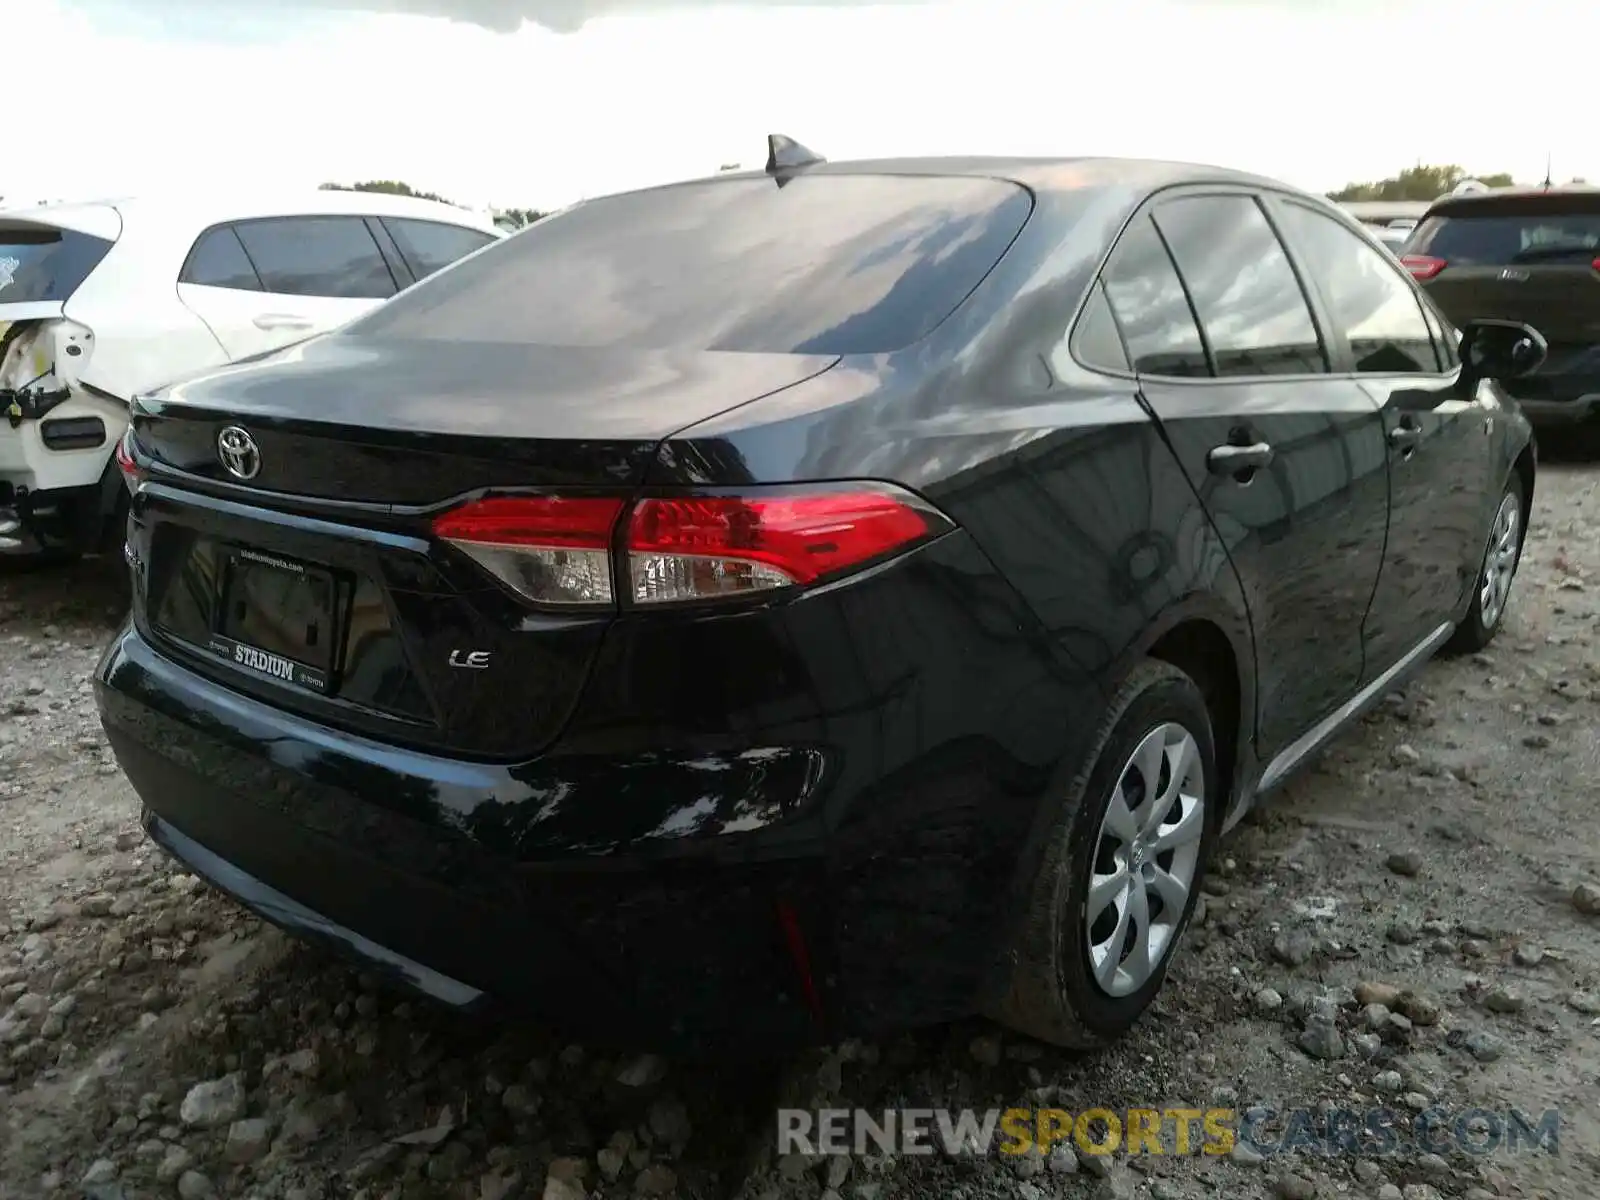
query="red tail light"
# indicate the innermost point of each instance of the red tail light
(702, 547)
(1596, 263)
(550, 549)
(558, 549)
(131, 474)
(1422, 266)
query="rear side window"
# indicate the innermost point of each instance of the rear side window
(218, 260)
(1248, 299)
(1371, 299)
(1498, 240)
(40, 263)
(430, 246)
(826, 264)
(1097, 342)
(1151, 307)
(335, 257)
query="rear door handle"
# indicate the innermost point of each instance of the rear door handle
(1234, 460)
(283, 321)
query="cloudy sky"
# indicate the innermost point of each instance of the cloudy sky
(540, 102)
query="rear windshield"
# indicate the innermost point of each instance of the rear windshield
(827, 264)
(38, 263)
(1500, 239)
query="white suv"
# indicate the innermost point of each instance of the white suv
(101, 301)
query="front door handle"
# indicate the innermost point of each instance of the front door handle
(1236, 460)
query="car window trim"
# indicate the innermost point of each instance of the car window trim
(1188, 298)
(1390, 264)
(389, 247)
(1098, 282)
(415, 268)
(188, 259)
(1268, 196)
(359, 218)
(1319, 321)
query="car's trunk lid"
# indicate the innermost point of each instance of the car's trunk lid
(314, 583)
(413, 423)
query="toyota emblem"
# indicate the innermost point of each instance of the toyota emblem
(239, 453)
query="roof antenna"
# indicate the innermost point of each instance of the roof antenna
(1548, 182)
(785, 156)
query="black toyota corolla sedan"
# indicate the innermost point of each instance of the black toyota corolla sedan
(812, 601)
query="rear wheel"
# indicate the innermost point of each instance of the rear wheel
(1496, 573)
(1123, 867)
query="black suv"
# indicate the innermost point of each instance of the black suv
(807, 602)
(1523, 255)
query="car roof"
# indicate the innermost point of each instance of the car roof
(1512, 199)
(201, 209)
(1040, 175)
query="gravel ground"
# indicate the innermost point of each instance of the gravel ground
(1408, 924)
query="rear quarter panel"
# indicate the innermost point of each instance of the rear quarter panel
(144, 335)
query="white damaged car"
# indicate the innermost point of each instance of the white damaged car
(101, 301)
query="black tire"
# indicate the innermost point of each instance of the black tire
(1053, 995)
(1478, 628)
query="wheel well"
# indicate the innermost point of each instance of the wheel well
(1202, 652)
(1524, 469)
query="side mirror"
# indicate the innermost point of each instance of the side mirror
(1502, 350)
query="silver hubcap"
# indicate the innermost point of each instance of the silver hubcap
(1145, 860)
(1500, 561)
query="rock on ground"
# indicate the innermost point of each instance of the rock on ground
(1419, 906)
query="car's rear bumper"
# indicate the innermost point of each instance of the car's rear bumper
(318, 839)
(846, 872)
(288, 913)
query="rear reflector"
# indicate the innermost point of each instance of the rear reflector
(549, 549)
(1422, 266)
(704, 547)
(558, 549)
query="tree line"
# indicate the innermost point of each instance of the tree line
(1420, 182)
(516, 218)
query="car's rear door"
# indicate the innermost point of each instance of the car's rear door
(1439, 438)
(1287, 457)
(263, 284)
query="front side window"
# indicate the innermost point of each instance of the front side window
(1370, 298)
(1150, 305)
(1245, 292)
(332, 257)
(826, 264)
(430, 246)
(1446, 339)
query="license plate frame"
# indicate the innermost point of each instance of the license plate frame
(236, 634)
